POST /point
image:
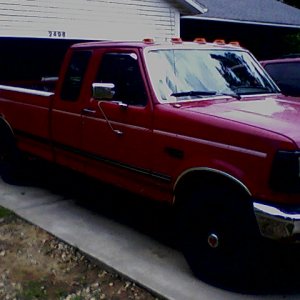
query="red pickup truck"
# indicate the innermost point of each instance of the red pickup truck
(198, 125)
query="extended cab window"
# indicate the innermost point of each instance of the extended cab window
(74, 75)
(122, 69)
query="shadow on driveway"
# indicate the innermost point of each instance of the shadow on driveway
(280, 274)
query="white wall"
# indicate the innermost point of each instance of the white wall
(89, 19)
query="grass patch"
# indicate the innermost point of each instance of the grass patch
(4, 212)
(60, 293)
(77, 298)
(33, 290)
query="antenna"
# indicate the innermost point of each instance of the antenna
(116, 131)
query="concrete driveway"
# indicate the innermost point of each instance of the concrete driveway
(134, 236)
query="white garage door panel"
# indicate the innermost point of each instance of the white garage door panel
(89, 19)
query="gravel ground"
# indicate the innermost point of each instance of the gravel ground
(36, 265)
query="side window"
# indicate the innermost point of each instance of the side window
(287, 77)
(74, 75)
(289, 70)
(123, 71)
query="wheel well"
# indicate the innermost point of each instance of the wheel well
(7, 137)
(203, 178)
(5, 128)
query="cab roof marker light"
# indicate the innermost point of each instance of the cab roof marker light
(148, 41)
(219, 42)
(176, 40)
(234, 43)
(200, 40)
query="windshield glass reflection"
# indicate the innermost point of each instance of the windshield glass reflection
(184, 74)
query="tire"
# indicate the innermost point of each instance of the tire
(10, 157)
(218, 233)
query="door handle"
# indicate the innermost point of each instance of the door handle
(88, 111)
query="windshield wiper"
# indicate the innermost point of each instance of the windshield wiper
(194, 93)
(205, 93)
(248, 89)
(233, 94)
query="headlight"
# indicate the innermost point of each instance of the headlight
(285, 175)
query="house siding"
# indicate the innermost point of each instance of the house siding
(89, 19)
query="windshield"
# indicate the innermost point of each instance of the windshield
(182, 74)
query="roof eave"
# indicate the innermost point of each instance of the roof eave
(194, 6)
(202, 18)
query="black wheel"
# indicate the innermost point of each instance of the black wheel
(10, 156)
(218, 233)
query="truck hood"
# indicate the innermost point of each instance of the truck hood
(272, 113)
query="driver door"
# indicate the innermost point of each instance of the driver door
(117, 131)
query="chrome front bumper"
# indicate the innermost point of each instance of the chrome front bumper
(277, 223)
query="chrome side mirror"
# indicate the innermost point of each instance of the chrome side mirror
(103, 91)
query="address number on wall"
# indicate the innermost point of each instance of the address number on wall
(59, 34)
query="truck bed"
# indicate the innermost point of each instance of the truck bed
(46, 84)
(28, 112)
